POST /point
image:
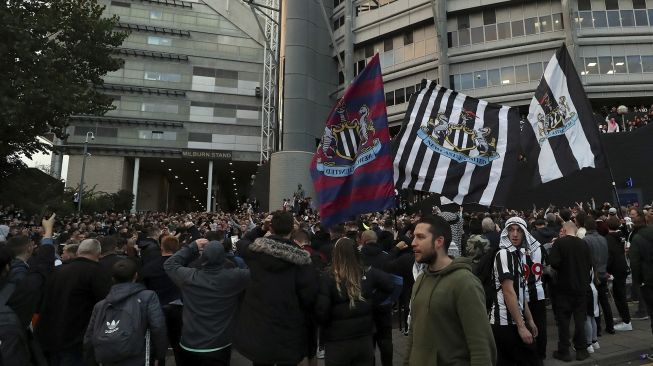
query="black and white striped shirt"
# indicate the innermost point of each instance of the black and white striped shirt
(507, 266)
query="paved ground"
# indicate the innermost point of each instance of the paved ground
(623, 348)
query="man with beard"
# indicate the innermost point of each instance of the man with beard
(445, 291)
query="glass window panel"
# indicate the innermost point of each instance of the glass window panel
(518, 28)
(387, 44)
(369, 50)
(145, 135)
(535, 70)
(591, 65)
(529, 25)
(463, 37)
(452, 39)
(507, 75)
(477, 35)
(493, 77)
(159, 41)
(521, 73)
(489, 17)
(467, 81)
(650, 16)
(641, 19)
(545, 24)
(557, 22)
(454, 80)
(614, 19)
(463, 21)
(612, 4)
(480, 79)
(585, 19)
(503, 30)
(390, 98)
(605, 65)
(584, 5)
(156, 14)
(634, 64)
(157, 135)
(627, 18)
(410, 90)
(639, 4)
(600, 19)
(647, 63)
(408, 37)
(619, 63)
(400, 96)
(490, 32)
(361, 65)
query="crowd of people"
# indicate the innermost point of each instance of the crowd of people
(624, 119)
(465, 287)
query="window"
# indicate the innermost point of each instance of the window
(647, 63)
(463, 21)
(463, 37)
(336, 24)
(361, 65)
(518, 28)
(545, 24)
(159, 41)
(121, 4)
(467, 81)
(490, 32)
(341, 78)
(390, 99)
(650, 15)
(387, 44)
(634, 64)
(584, 5)
(369, 50)
(489, 17)
(410, 90)
(521, 73)
(477, 35)
(452, 39)
(452, 81)
(585, 19)
(535, 71)
(159, 108)
(639, 4)
(480, 79)
(557, 22)
(614, 18)
(341, 21)
(619, 64)
(400, 96)
(641, 19)
(627, 18)
(408, 37)
(530, 25)
(156, 14)
(199, 137)
(600, 19)
(493, 77)
(591, 65)
(160, 76)
(612, 4)
(503, 30)
(507, 75)
(605, 65)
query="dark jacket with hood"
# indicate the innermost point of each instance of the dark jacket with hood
(156, 279)
(151, 310)
(617, 264)
(544, 235)
(272, 323)
(149, 249)
(373, 255)
(339, 320)
(641, 256)
(210, 294)
(448, 324)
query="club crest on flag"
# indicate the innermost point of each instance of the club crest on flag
(457, 141)
(348, 144)
(555, 120)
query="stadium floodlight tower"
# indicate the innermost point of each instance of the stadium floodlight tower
(271, 11)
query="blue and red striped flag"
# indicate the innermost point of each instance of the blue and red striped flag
(352, 168)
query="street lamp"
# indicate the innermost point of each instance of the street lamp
(81, 181)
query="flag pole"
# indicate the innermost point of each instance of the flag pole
(614, 184)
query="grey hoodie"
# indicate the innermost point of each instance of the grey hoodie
(210, 294)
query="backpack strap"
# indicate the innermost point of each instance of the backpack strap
(6, 292)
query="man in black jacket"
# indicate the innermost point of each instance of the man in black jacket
(272, 326)
(641, 262)
(149, 246)
(571, 257)
(618, 268)
(68, 300)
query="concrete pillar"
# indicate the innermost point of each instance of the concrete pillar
(570, 28)
(55, 164)
(349, 43)
(209, 187)
(440, 20)
(284, 184)
(137, 165)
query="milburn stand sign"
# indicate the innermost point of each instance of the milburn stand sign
(206, 154)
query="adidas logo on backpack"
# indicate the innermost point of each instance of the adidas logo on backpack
(112, 327)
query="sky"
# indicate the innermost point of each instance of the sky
(44, 160)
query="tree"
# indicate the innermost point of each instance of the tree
(53, 55)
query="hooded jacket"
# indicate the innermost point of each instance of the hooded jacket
(210, 295)
(121, 293)
(272, 323)
(641, 256)
(448, 324)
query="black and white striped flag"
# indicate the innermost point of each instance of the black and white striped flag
(461, 147)
(561, 136)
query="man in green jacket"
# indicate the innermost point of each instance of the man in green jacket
(449, 324)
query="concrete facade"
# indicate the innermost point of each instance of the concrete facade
(113, 171)
(287, 169)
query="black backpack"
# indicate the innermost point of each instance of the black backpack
(14, 345)
(484, 270)
(119, 330)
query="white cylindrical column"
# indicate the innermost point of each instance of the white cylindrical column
(209, 186)
(137, 164)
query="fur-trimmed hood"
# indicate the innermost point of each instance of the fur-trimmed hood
(280, 250)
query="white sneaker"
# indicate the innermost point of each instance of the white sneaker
(320, 354)
(623, 327)
(590, 349)
(596, 345)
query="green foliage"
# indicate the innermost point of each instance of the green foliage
(53, 55)
(97, 202)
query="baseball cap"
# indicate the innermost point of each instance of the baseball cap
(612, 211)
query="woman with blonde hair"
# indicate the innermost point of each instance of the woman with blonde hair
(348, 293)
